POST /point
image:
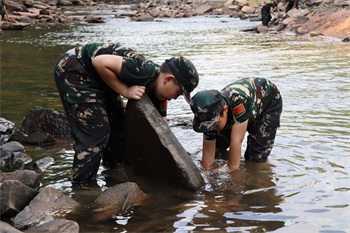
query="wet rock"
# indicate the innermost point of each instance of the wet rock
(155, 150)
(43, 163)
(10, 147)
(7, 228)
(12, 156)
(14, 161)
(143, 18)
(46, 121)
(28, 177)
(41, 139)
(14, 197)
(49, 204)
(13, 26)
(205, 8)
(116, 200)
(7, 128)
(93, 19)
(56, 226)
(346, 39)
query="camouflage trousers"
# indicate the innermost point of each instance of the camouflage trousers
(95, 114)
(261, 137)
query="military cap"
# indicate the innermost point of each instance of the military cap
(207, 106)
(185, 73)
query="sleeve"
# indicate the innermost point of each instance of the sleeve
(137, 71)
(211, 135)
(240, 111)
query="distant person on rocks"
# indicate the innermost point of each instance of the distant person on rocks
(291, 4)
(267, 10)
(250, 104)
(90, 80)
(3, 11)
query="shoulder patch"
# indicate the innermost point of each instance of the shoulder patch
(164, 105)
(239, 110)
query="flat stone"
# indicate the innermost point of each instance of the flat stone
(152, 147)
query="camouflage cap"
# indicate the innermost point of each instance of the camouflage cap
(185, 73)
(207, 107)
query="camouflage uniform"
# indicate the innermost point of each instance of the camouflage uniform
(266, 14)
(290, 4)
(95, 112)
(254, 99)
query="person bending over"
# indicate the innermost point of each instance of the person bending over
(90, 80)
(249, 104)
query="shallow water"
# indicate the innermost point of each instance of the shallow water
(304, 187)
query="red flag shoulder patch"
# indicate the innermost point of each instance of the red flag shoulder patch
(239, 110)
(164, 106)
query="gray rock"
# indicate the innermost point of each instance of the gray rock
(13, 146)
(14, 161)
(27, 177)
(49, 204)
(14, 197)
(43, 163)
(7, 128)
(56, 226)
(46, 121)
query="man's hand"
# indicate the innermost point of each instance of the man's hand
(134, 92)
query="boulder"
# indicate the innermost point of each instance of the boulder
(46, 121)
(116, 200)
(28, 177)
(14, 197)
(49, 204)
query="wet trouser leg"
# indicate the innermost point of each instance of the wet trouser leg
(260, 141)
(116, 114)
(84, 105)
(261, 138)
(265, 17)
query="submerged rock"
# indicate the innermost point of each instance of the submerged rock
(116, 200)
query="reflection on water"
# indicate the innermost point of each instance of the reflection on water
(305, 185)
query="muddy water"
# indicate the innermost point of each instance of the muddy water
(304, 187)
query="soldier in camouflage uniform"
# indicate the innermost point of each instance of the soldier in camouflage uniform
(250, 104)
(90, 80)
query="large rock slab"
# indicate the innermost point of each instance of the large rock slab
(151, 146)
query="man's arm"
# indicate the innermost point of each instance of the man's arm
(295, 4)
(237, 137)
(109, 67)
(208, 155)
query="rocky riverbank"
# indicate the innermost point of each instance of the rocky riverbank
(330, 18)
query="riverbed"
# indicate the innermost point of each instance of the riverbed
(304, 187)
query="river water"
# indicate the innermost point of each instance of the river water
(304, 187)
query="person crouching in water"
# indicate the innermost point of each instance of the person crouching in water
(249, 104)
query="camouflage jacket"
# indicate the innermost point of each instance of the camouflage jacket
(136, 70)
(247, 99)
